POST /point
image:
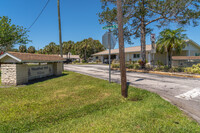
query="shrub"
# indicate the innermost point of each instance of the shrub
(83, 61)
(195, 69)
(159, 63)
(133, 66)
(115, 65)
(176, 69)
(129, 66)
(74, 62)
(141, 63)
(136, 66)
(134, 62)
(162, 68)
(148, 67)
(115, 61)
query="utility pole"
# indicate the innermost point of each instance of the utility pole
(59, 24)
(124, 88)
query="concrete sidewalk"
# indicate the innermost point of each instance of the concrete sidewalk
(180, 91)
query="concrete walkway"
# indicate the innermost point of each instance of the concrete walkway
(182, 92)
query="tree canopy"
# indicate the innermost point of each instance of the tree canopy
(31, 49)
(51, 48)
(139, 15)
(68, 47)
(84, 48)
(11, 34)
(87, 47)
(22, 48)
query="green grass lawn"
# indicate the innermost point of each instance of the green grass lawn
(79, 103)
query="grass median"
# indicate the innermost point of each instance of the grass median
(79, 103)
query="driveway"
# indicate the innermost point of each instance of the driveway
(182, 92)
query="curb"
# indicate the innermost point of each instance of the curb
(162, 73)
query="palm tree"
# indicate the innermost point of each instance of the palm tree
(68, 48)
(22, 48)
(170, 40)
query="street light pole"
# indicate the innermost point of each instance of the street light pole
(59, 24)
(124, 89)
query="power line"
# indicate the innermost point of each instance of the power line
(39, 14)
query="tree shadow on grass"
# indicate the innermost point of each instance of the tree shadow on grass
(44, 79)
(134, 97)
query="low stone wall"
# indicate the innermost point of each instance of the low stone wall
(16, 74)
(185, 63)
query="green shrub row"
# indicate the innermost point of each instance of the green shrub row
(129, 66)
(133, 66)
(115, 65)
(195, 69)
(167, 69)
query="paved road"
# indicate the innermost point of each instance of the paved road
(183, 92)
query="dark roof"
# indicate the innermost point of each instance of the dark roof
(185, 57)
(28, 57)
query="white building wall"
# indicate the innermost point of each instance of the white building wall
(101, 58)
(127, 57)
(191, 49)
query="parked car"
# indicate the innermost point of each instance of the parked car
(106, 61)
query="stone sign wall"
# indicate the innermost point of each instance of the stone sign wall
(17, 74)
(35, 72)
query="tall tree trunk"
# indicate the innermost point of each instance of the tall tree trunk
(143, 44)
(169, 62)
(167, 59)
(143, 38)
(124, 89)
(170, 59)
(85, 55)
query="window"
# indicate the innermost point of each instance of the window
(197, 54)
(136, 55)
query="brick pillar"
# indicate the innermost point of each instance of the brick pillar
(57, 68)
(14, 74)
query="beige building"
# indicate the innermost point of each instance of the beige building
(71, 57)
(133, 53)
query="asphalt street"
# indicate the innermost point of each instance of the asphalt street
(182, 92)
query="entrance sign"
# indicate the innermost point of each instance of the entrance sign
(115, 26)
(41, 71)
(16, 68)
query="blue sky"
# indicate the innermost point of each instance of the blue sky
(78, 18)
